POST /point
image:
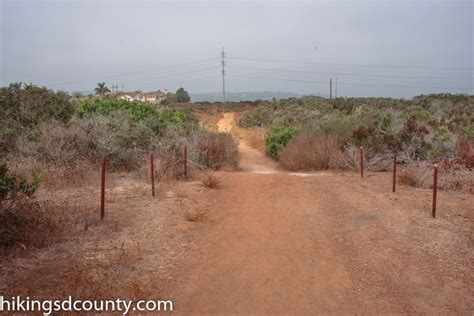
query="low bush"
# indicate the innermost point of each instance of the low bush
(23, 221)
(452, 175)
(137, 110)
(24, 106)
(118, 138)
(213, 150)
(276, 139)
(310, 151)
(11, 184)
(55, 144)
(408, 177)
(180, 119)
(210, 181)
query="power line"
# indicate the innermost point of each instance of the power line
(223, 74)
(139, 72)
(350, 74)
(350, 64)
(350, 83)
(175, 75)
(184, 81)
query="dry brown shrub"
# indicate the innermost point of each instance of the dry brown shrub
(310, 151)
(456, 179)
(408, 177)
(26, 223)
(465, 151)
(214, 150)
(210, 181)
(197, 215)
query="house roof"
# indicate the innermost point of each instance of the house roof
(130, 94)
(155, 94)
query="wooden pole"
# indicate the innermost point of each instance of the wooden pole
(185, 160)
(361, 162)
(102, 190)
(394, 170)
(152, 171)
(435, 189)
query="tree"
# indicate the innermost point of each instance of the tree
(101, 89)
(182, 96)
(77, 94)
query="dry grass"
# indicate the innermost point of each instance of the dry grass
(197, 215)
(409, 178)
(457, 179)
(211, 181)
(313, 152)
(28, 223)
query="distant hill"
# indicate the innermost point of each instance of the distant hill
(243, 96)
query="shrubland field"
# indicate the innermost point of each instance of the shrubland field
(316, 134)
(47, 139)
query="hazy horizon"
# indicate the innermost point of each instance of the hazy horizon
(393, 49)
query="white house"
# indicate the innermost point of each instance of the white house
(129, 96)
(150, 97)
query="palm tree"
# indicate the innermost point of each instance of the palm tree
(101, 89)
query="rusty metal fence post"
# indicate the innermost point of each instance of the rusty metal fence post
(361, 162)
(394, 170)
(102, 190)
(435, 189)
(152, 171)
(185, 160)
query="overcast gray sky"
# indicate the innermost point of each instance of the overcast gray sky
(72, 45)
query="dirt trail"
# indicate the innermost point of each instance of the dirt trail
(251, 160)
(332, 243)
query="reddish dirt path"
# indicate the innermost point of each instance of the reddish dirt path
(330, 243)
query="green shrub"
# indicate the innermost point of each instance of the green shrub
(117, 137)
(24, 106)
(276, 139)
(11, 183)
(167, 117)
(137, 110)
(442, 133)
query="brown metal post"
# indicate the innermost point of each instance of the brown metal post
(152, 170)
(102, 190)
(435, 189)
(185, 160)
(361, 162)
(394, 170)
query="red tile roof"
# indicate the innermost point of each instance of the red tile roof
(155, 94)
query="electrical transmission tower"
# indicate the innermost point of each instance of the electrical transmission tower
(223, 74)
(115, 88)
(330, 89)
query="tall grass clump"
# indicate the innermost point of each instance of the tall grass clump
(311, 151)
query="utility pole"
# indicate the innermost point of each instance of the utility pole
(115, 88)
(335, 93)
(122, 88)
(223, 74)
(330, 88)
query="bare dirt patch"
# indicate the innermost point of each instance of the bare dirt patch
(331, 243)
(131, 254)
